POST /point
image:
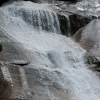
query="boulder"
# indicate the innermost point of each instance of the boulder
(88, 36)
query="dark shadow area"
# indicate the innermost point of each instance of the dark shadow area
(71, 1)
(3, 1)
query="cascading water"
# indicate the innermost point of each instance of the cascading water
(68, 27)
(89, 7)
(39, 19)
(60, 72)
(51, 1)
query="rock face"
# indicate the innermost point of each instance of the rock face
(71, 23)
(88, 37)
(64, 25)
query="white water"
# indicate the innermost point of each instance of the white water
(89, 7)
(66, 66)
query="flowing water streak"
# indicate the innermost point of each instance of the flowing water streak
(68, 26)
(45, 20)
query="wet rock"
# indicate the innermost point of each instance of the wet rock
(78, 21)
(88, 36)
(89, 59)
(64, 25)
(71, 23)
(0, 47)
(40, 82)
(32, 0)
(93, 61)
(71, 1)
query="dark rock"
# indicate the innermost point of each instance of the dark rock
(71, 1)
(20, 62)
(99, 17)
(89, 59)
(3, 1)
(0, 47)
(64, 25)
(78, 21)
(69, 26)
(93, 61)
(31, 0)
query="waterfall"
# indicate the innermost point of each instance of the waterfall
(39, 19)
(57, 70)
(51, 1)
(65, 25)
(45, 21)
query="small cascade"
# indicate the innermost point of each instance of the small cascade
(45, 21)
(68, 27)
(38, 19)
(65, 25)
(51, 1)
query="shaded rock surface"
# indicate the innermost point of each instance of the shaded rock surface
(88, 37)
(71, 23)
(77, 22)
